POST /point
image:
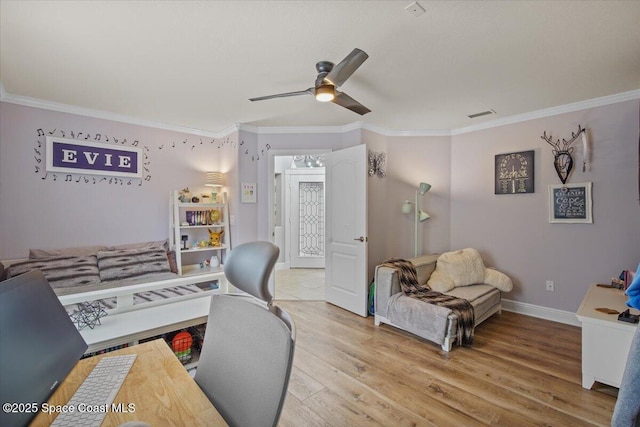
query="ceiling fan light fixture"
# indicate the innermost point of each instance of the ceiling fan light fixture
(325, 93)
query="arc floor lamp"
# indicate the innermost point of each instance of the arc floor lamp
(419, 214)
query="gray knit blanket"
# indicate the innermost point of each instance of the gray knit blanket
(408, 279)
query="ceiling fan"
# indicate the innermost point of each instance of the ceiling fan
(330, 77)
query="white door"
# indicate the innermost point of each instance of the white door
(307, 218)
(346, 234)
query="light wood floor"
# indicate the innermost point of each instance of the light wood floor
(520, 371)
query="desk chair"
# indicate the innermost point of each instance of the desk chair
(247, 353)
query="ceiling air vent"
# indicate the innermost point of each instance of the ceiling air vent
(483, 113)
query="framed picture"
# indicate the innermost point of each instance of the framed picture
(92, 158)
(570, 203)
(248, 193)
(514, 173)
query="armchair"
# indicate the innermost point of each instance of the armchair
(472, 281)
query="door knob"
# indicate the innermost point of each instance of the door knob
(362, 239)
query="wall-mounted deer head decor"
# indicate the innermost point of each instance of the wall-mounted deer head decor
(563, 162)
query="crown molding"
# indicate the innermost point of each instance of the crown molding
(553, 111)
(338, 129)
(71, 109)
(105, 115)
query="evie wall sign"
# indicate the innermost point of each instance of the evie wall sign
(514, 173)
(90, 158)
(570, 203)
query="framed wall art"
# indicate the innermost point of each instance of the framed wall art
(248, 192)
(92, 158)
(514, 173)
(570, 203)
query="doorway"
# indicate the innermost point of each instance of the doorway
(297, 219)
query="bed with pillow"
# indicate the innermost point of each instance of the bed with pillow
(122, 277)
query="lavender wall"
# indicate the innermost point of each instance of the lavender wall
(38, 211)
(413, 160)
(513, 232)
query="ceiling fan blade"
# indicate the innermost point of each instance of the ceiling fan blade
(309, 91)
(346, 101)
(342, 71)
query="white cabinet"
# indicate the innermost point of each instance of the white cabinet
(605, 340)
(192, 225)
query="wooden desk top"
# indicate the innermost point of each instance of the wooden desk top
(159, 387)
(606, 298)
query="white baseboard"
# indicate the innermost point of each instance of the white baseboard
(546, 313)
(282, 266)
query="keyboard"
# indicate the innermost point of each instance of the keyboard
(93, 399)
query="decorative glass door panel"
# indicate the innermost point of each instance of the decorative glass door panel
(311, 218)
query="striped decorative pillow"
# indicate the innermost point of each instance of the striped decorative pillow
(129, 263)
(62, 271)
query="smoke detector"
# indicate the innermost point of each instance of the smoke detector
(415, 9)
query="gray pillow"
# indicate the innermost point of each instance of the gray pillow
(62, 271)
(128, 263)
(65, 252)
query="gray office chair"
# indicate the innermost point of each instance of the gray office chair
(247, 353)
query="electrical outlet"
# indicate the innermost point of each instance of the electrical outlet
(550, 285)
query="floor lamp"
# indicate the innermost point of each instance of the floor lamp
(419, 215)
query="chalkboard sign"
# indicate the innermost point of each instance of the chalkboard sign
(570, 203)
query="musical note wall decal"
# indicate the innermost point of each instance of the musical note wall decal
(92, 135)
(39, 155)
